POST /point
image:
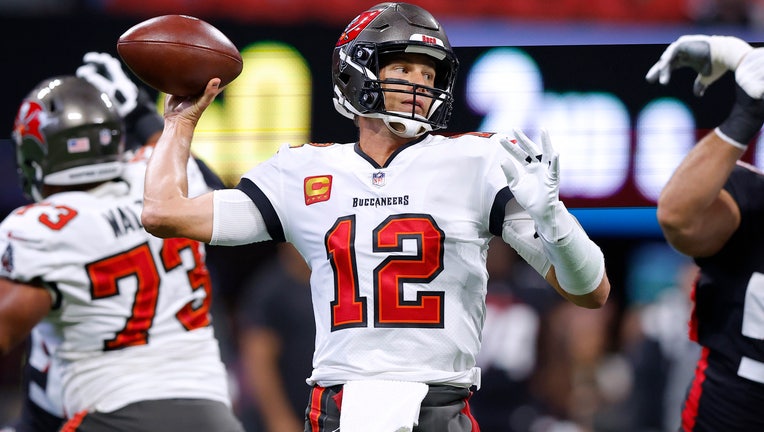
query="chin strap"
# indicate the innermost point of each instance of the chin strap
(405, 127)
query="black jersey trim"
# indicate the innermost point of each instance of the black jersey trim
(357, 148)
(496, 219)
(272, 221)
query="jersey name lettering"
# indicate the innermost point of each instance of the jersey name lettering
(123, 220)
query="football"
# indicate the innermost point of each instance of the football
(179, 54)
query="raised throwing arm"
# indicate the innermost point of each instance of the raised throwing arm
(167, 210)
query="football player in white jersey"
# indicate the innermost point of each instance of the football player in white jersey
(395, 227)
(131, 311)
(42, 410)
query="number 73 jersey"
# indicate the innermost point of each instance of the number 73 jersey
(132, 310)
(397, 253)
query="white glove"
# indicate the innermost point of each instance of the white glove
(710, 56)
(106, 73)
(750, 73)
(534, 179)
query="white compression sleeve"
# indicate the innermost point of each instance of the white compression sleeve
(236, 220)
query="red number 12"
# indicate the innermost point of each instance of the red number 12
(390, 308)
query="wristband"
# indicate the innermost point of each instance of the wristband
(578, 262)
(557, 224)
(745, 119)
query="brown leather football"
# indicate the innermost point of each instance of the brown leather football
(179, 54)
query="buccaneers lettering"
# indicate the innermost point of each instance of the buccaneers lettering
(381, 201)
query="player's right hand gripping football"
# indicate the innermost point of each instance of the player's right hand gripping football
(710, 56)
(188, 109)
(106, 73)
(534, 179)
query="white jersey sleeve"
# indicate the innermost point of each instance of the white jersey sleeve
(397, 252)
(230, 207)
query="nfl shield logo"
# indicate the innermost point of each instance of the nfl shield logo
(378, 179)
(104, 135)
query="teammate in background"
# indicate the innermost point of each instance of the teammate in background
(395, 227)
(131, 311)
(712, 209)
(42, 409)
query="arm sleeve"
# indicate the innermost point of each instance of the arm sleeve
(236, 220)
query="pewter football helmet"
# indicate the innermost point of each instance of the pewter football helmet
(390, 28)
(67, 132)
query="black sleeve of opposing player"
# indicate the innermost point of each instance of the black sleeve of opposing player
(746, 185)
(271, 218)
(496, 220)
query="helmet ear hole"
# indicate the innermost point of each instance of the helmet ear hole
(369, 99)
(363, 55)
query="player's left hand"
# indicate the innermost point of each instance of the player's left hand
(750, 73)
(710, 56)
(106, 73)
(534, 179)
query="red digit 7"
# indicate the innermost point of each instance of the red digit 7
(104, 277)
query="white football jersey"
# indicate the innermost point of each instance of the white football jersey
(397, 253)
(131, 310)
